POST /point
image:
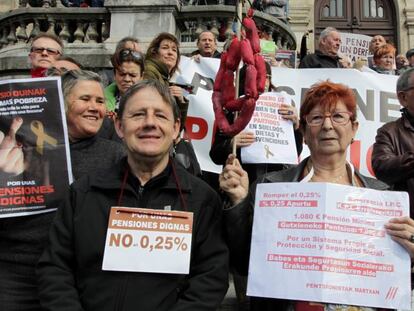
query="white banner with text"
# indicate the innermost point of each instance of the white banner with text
(328, 244)
(375, 93)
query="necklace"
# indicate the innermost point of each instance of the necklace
(335, 180)
(351, 178)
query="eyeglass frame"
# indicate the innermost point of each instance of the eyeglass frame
(49, 51)
(329, 115)
(125, 52)
(408, 89)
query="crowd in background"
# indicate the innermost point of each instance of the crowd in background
(114, 118)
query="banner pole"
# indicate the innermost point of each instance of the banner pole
(239, 12)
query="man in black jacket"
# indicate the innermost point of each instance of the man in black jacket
(206, 46)
(72, 272)
(326, 56)
(393, 151)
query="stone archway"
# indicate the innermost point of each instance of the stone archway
(369, 17)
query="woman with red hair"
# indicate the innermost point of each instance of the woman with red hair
(329, 124)
(384, 59)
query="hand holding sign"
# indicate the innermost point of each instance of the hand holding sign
(11, 153)
(234, 181)
(289, 112)
(244, 139)
(401, 230)
(176, 91)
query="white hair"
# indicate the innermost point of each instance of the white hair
(326, 32)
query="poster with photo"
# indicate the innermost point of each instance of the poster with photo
(35, 168)
(285, 58)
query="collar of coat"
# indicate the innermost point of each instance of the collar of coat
(407, 119)
(321, 54)
(154, 65)
(112, 178)
(294, 174)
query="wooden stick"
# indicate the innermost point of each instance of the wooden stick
(239, 11)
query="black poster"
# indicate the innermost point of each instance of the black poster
(34, 147)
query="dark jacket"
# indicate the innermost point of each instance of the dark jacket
(393, 156)
(216, 53)
(70, 270)
(94, 153)
(320, 60)
(22, 239)
(239, 221)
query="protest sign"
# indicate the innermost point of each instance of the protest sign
(145, 240)
(355, 46)
(285, 58)
(200, 124)
(267, 50)
(32, 119)
(375, 93)
(328, 244)
(275, 140)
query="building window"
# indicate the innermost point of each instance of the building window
(373, 9)
(333, 8)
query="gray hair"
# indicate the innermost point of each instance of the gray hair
(206, 31)
(72, 77)
(326, 32)
(402, 82)
(156, 86)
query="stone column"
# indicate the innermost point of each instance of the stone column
(409, 25)
(143, 19)
(301, 20)
(6, 5)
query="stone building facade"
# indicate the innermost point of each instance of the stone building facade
(305, 15)
(395, 18)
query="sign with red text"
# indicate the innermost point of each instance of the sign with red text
(148, 240)
(328, 244)
(275, 140)
(35, 168)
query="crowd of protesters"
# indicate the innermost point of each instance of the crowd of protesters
(127, 149)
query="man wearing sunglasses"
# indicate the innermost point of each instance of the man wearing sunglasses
(44, 51)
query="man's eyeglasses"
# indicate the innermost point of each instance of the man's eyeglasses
(337, 118)
(408, 89)
(49, 51)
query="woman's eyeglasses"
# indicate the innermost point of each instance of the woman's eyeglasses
(49, 51)
(127, 52)
(337, 118)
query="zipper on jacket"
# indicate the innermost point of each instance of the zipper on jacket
(140, 191)
(120, 297)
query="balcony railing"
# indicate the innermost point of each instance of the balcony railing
(192, 20)
(69, 24)
(85, 30)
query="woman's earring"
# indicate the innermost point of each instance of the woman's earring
(352, 140)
